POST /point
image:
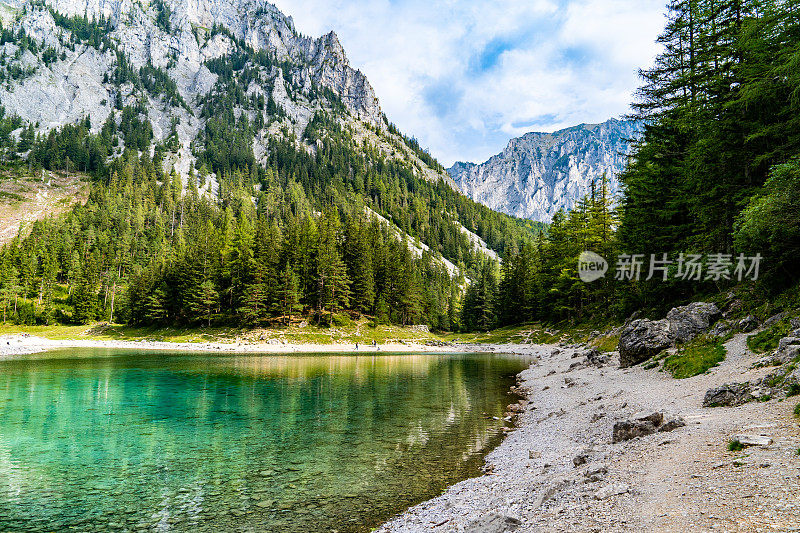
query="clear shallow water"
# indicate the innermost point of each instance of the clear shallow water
(116, 440)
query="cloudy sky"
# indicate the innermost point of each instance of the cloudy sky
(464, 76)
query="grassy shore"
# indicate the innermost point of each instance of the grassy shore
(363, 332)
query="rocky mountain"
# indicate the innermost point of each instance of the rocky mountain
(64, 60)
(540, 173)
(229, 95)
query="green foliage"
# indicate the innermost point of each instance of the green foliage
(94, 32)
(797, 410)
(71, 148)
(735, 446)
(10, 67)
(768, 339)
(720, 110)
(540, 280)
(8, 146)
(695, 357)
(608, 343)
(793, 390)
(413, 144)
(157, 82)
(136, 130)
(163, 14)
(478, 312)
(650, 365)
(770, 224)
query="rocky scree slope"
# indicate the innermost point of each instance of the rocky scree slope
(540, 173)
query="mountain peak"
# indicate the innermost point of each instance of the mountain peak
(332, 43)
(189, 50)
(540, 173)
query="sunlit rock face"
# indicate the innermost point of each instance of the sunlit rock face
(540, 173)
(79, 81)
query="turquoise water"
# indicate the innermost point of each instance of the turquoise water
(99, 440)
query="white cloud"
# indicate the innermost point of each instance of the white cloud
(464, 76)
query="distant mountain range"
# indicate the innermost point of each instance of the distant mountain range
(539, 173)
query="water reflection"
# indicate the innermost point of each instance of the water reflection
(99, 439)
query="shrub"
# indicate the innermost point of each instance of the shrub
(768, 339)
(341, 320)
(735, 446)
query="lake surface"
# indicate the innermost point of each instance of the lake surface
(115, 440)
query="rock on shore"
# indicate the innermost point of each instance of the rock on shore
(642, 339)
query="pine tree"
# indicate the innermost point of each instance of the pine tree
(84, 300)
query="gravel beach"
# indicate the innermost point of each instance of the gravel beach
(560, 471)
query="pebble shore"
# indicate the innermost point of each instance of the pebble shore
(560, 471)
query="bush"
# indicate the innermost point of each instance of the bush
(695, 357)
(794, 390)
(768, 339)
(341, 320)
(797, 410)
(735, 446)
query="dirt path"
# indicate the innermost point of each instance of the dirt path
(685, 480)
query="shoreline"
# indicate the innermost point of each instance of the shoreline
(26, 344)
(559, 469)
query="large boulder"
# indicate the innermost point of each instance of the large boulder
(788, 350)
(691, 320)
(730, 394)
(642, 339)
(630, 429)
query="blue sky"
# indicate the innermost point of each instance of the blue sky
(466, 76)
